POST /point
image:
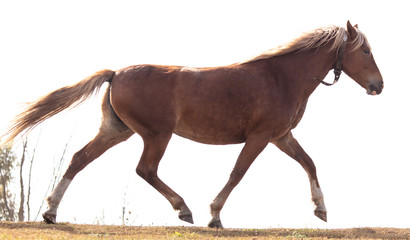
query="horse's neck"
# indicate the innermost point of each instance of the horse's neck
(301, 73)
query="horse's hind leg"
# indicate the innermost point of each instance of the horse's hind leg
(112, 132)
(154, 148)
(80, 160)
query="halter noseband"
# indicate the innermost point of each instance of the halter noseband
(338, 67)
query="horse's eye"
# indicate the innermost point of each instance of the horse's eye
(366, 51)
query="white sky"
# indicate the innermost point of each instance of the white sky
(358, 142)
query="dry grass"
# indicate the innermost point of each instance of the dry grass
(39, 230)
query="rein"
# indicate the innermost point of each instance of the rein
(338, 67)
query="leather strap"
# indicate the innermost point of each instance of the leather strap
(338, 67)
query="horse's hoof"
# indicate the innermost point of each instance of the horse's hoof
(321, 214)
(215, 224)
(49, 218)
(186, 217)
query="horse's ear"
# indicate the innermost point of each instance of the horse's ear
(356, 26)
(351, 30)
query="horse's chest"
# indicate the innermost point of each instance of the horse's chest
(298, 115)
(282, 123)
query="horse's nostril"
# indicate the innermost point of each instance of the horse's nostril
(375, 87)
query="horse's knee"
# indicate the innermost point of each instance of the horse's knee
(140, 172)
(147, 174)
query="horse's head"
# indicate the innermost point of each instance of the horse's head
(358, 62)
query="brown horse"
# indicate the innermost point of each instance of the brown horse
(255, 102)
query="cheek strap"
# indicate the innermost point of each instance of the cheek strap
(338, 67)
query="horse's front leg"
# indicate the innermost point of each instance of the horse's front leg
(291, 147)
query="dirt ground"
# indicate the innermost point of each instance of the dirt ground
(40, 230)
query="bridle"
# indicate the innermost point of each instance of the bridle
(338, 67)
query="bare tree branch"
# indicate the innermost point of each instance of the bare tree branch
(21, 208)
(57, 171)
(29, 178)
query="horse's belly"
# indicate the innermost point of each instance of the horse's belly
(210, 133)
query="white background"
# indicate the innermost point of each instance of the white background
(358, 142)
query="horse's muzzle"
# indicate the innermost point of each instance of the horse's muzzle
(375, 88)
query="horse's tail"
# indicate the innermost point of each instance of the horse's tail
(55, 102)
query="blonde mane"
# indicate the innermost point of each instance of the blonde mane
(314, 39)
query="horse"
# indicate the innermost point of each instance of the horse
(255, 102)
